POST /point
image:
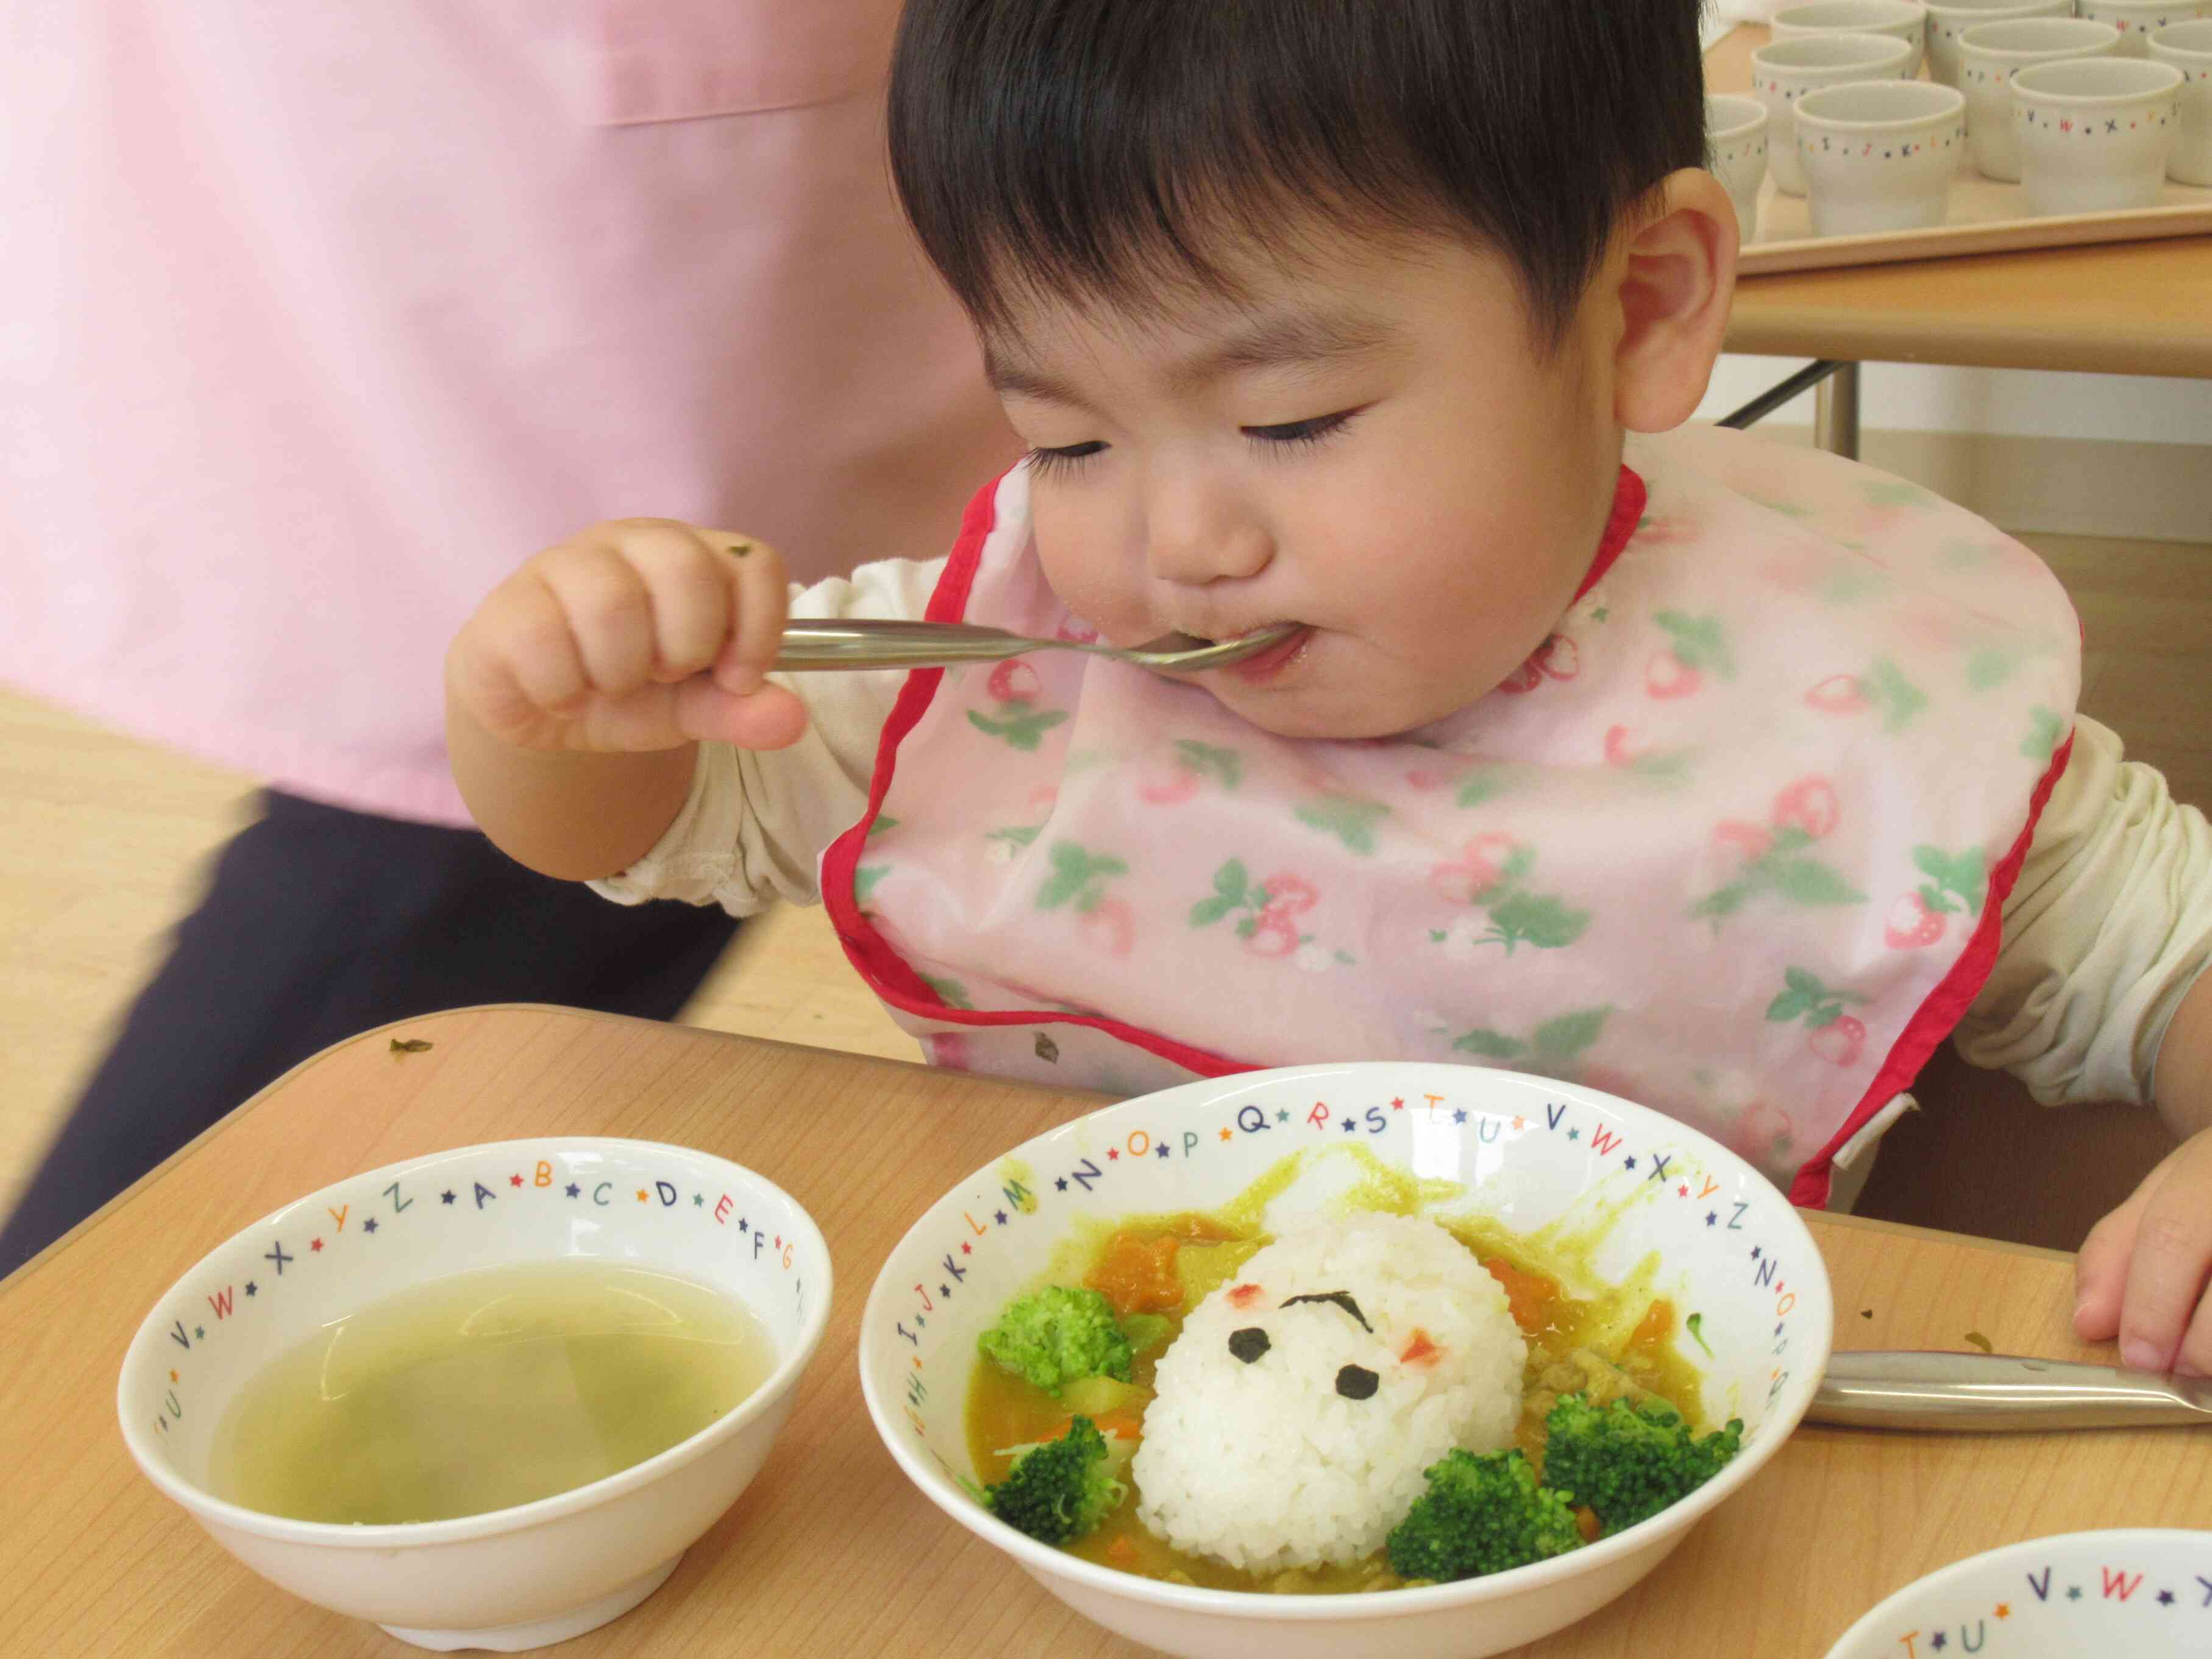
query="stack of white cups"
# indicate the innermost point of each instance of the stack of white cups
(2089, 114)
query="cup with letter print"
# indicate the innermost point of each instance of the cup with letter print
(1880, 155)
(1735, 136)
(1902, 20)
(1783, 71)
(1989, 53)
(2138, 20)
(2188, 47)
(2095, 133)
(1947, 20)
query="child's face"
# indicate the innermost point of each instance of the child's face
(1376, 448)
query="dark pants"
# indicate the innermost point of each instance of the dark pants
(321, 923)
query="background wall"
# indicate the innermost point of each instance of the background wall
(2086, 454)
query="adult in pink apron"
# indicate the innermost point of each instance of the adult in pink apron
(315, 319)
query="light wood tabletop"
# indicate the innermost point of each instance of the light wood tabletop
(831, 1553)
(2117, 309)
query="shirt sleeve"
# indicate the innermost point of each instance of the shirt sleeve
(2106, 930)
(756, 824)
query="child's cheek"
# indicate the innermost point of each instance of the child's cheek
(1090, 579)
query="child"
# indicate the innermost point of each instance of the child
(1713, 774)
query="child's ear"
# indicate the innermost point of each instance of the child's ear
(1674, 288)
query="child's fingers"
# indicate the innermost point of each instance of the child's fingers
(688, 590)
(2195, 1355)
(534, 648)
(2100, 1270)
(759, 599)
(770, 718)
(2169, 1263)
(609, 613)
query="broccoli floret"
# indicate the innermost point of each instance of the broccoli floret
(1481, 1514)
(1056, 1335)
(1058, 1490)
(1630, 1461)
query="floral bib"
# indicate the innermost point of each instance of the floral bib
(1732, 843)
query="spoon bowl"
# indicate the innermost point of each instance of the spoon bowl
(810, 645)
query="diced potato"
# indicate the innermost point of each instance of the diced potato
(1102, 1397)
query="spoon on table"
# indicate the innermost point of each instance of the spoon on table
(1874, 1389)
(865, 644)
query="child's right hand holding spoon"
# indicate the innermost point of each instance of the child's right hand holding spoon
(637, 635)
(577, 692)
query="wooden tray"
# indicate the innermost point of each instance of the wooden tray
(1986, 216)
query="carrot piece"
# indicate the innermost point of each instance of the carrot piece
(1124, 1548)
(1420, 1351)
(1243, 1296)
(1657, 1325)
(1529, 1296)
(1137, 1273)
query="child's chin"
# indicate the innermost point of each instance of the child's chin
(1308, 714)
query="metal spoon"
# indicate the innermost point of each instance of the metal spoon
(1875, 1389)
(862, 643)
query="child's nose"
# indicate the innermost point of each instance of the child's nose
(1192, 544)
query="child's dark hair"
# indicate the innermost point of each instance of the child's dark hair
(1115, 148)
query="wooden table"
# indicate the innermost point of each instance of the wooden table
(2119, 308)
(96, 1563)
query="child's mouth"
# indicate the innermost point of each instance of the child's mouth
(1273, 660)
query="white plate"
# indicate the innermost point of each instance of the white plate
(1527, 1151)
(2127, 1595)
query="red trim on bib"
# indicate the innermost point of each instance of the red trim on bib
(896, 983)
(1628, 498)
(1939, 1016)
(883, 967)
(887, 973)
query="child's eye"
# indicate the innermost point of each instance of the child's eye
(1065, 459)
(1301, 432)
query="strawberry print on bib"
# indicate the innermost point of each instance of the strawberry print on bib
(1732, 843)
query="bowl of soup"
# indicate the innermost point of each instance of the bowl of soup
(1302, 1332)
(485, 1398)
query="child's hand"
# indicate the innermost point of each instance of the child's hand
(638, 635)
(2142, 1269)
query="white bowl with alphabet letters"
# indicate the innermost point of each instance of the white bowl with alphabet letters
(2135, 1594)
(1637, 1193)
(533, 1573)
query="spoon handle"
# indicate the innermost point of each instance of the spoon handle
(872, 643)
(1905, 1390)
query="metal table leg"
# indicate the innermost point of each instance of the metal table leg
(1836, 412)
(1814, 374)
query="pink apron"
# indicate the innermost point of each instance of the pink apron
(1733, 843)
